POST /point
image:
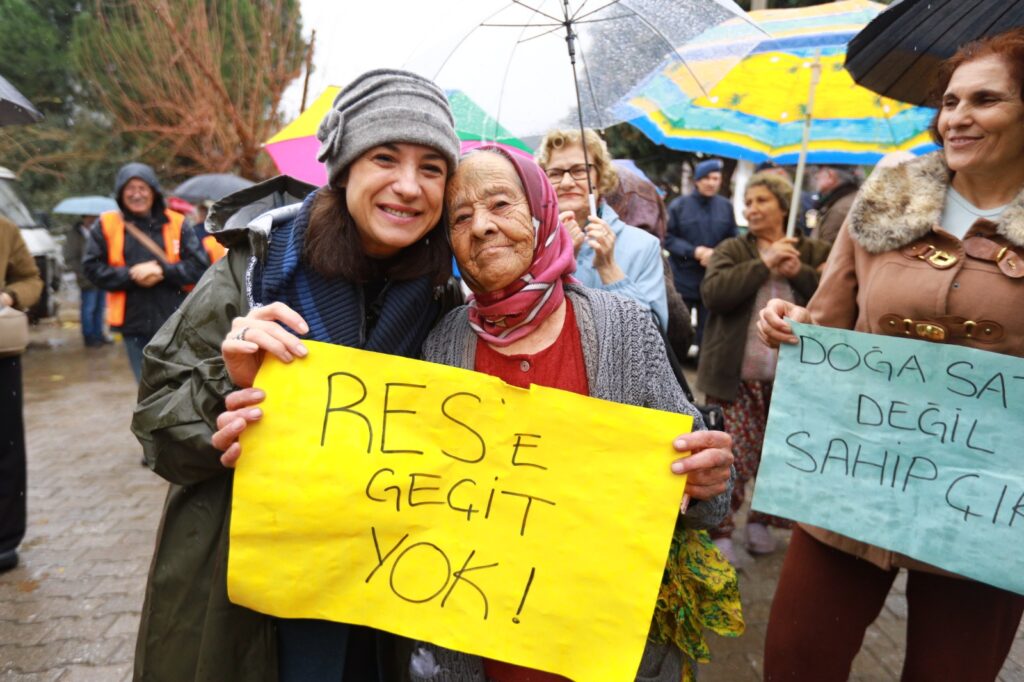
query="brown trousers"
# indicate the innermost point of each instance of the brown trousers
(956, 629)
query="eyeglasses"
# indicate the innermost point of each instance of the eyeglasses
(577, 172)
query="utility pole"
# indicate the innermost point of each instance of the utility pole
(309, 69)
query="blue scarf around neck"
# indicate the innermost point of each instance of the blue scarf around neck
(335, 309)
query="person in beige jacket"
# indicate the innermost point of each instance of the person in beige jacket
(933, 249)
(20, 286)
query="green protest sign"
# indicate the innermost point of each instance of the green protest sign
(913, 446)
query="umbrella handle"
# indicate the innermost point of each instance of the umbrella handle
(798, 181)
(593, 203)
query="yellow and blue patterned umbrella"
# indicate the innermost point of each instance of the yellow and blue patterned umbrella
(757, 112)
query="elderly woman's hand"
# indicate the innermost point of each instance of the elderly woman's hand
(772, 328)
(240, 411)
(708, 467)
(789, 266)
(258, 333)
(601, 238)
(568, 220)
(778, 252)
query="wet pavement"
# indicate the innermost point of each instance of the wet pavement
(69, 612)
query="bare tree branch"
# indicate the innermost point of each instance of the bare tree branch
(199, 81)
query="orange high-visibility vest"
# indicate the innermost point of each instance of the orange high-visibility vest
(214, 249)
(112, 223)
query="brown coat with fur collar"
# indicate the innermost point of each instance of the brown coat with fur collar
(880, 265)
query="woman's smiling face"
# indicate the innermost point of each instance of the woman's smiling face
(572, 192)
(981, 120)
(490, 225)
(394, 193)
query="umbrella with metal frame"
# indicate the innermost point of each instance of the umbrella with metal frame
(542, 64)
(210, 187)
(789, 100)
(15, 109)
(897, 54)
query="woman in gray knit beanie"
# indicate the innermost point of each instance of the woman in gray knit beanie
(360, 262)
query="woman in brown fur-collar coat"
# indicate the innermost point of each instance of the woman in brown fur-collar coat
(933, 250)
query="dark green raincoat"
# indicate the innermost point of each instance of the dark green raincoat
(189, 630)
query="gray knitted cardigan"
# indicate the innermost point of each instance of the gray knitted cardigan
(625, 361)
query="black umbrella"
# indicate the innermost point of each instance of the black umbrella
(898, 53)
(14, 108)
(210, 186)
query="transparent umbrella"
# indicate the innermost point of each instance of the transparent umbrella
(542, 64)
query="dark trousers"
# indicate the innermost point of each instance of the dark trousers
(696, 304)
(91, 312)
(133, 345)
(12, 455)
(321, 651)
(825, 600)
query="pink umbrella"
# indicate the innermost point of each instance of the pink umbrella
(294, 149)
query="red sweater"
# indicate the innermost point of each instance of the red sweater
(560, 365)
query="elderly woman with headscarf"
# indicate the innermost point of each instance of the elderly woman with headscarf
(529, 322)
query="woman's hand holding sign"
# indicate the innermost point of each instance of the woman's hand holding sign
(252, 336)
(709, 466)
(260, 332)
(241, 411)
(772, 327)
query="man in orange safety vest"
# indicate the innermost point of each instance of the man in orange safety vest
(143, 259)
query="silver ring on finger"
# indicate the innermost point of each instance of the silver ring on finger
(240, 336)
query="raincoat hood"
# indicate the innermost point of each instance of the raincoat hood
(147, 175)
(254, 210)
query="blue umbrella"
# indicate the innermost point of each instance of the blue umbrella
(88, 205)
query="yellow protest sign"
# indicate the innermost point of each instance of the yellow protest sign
(530, 526)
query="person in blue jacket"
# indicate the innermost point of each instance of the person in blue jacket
(610, 254)
(697, 223)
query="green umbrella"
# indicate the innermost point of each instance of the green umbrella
(473, 123)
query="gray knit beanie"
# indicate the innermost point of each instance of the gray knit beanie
(382, 106)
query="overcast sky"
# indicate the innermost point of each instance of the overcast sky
(527, 86)
(353, 37)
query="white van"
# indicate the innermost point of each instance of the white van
(41, 244)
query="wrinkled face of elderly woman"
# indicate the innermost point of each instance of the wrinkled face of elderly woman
(490, 224)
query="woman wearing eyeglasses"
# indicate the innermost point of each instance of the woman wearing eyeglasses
(610, 254)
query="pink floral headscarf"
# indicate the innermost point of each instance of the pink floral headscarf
(502, 317)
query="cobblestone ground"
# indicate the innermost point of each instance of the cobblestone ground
(880, 659)
(69, 612)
